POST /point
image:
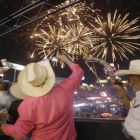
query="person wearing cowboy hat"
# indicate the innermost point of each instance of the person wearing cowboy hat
(132, 121)
(46, 111)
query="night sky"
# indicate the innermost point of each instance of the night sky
(16, 49)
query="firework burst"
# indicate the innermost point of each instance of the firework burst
(72, 40)
(80, 12)
(50, 43)
(65, 32)
(78, 40)
(116, 36)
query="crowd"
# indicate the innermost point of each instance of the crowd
(37, 109)
(46, 110)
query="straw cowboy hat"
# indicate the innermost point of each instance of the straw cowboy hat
(134, 69)
(35, 80)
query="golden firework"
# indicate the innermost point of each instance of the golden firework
(116, 36)
(65, 32)
(50, 43)
(78, 39)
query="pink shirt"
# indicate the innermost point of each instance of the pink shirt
(48, 117)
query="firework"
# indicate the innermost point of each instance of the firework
(50, 44)
(80, 12)
(116, 36)
(78, 39)
(65, 32)
(70, 40)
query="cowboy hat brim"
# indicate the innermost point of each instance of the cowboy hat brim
(16, 92)
(126, 72)
(23, 87)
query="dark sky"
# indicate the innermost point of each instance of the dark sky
(13, 47)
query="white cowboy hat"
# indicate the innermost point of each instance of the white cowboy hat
(134, 69)
(35, 80)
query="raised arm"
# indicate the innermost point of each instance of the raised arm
(121, 92)
(73, 81)
(65, 59)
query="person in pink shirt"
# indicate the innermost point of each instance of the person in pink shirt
(46, 113)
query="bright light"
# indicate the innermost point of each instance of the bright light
(103, 94)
